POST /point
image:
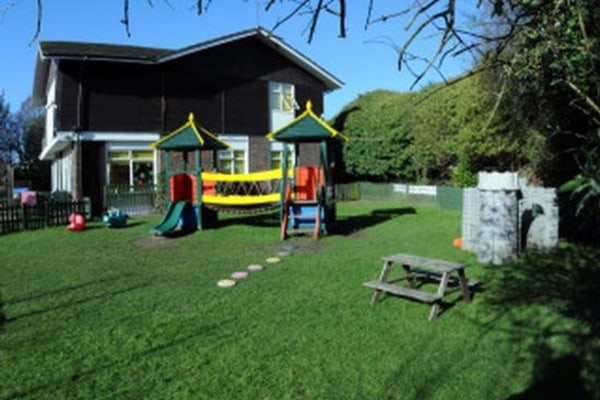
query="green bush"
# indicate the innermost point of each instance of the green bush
(462, 175)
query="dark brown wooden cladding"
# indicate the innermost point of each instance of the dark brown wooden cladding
(226, 87)
(94, 174)
(122, 98)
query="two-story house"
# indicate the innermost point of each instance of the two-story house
(106, 103)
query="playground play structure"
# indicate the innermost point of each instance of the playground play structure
(303, 193)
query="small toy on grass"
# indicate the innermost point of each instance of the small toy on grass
(77, 222)
(115, 218)
(457, 242)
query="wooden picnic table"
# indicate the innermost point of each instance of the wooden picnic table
(416, 268)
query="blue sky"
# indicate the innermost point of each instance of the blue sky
(362, 60)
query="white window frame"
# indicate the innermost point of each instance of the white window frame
(277, 148)
(237, 143)
(130, 148)
(280, 116)
(279, 89)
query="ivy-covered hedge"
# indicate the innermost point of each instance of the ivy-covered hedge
(438, 135)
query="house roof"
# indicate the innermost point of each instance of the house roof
(307, 127)
(99, 51)
(49, 50)
(190, 136)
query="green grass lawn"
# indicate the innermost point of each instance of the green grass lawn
(114, 313)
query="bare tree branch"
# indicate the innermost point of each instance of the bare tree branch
(315, 20)
(588, 100)
(269, 4)
(422, 10)
(125, 20)
(38, 25)
(290, 15)
(426, 95)
(369, 13)
(342, 17)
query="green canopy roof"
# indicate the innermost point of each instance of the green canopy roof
(307, 127)
(190, 137)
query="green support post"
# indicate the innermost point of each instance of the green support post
(199, 206)
(167, 179)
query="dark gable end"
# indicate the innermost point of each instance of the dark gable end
(106, 87)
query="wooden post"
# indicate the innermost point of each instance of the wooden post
(464, 285)
(385, 271)
(199, 206)
(167, 179)
(410, 277)
(441, 290)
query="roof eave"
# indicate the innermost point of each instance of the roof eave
(330, 81)
(42, 69)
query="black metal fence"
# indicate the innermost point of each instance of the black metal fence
(14, 218)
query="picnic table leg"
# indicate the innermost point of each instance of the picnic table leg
(464, 285)
(385, 271)
(410, 277)
(435, 308)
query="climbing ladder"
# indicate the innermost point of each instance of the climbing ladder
(304, 211)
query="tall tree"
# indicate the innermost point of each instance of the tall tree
(9, 134)
(379, 133)
(31, 122)
(8, 148)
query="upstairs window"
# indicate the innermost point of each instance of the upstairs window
(282, 97)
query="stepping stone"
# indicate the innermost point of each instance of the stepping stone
(226, 283)
(239, 275)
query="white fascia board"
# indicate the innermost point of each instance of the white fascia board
(284, 49)
(61, 141)
(91, 136)
(331, 82)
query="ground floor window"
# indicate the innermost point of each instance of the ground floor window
(277, 155)
(62, 171)
(130, 167)
(235, 159)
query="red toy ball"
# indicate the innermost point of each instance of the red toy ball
(77, 222)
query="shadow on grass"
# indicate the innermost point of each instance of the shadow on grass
(344, 226)
(129, 224)
(264, 219)
(551, 304)
(349, 225)
(104, 295)
(2, 315)
(64, 289)
(120, 363)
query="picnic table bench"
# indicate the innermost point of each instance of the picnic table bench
(418, 268)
